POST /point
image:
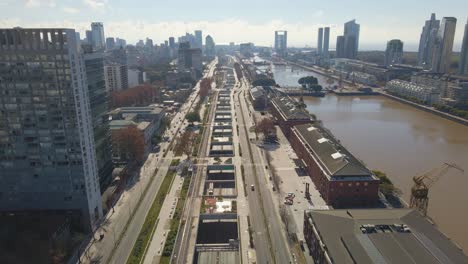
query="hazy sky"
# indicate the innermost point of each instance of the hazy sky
(239, 20)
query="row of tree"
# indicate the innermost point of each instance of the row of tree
(141, 95)
(205, 87)
(310, 82)
(129, 144)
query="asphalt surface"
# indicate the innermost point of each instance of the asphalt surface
(268, 232)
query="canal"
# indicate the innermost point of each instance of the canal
(402, 141)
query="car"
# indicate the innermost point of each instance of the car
(252, 187)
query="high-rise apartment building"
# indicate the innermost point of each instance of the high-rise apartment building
(99, 102)
(394, 52)
(320, 41)
(98, 39)
(340, 48)
(149, 43)
(463, 70)
(209, 47)
(47, 148)
(281, 42)
(116, 76)
(442, 52)
(427, 42)
(189, 58)
(326, 42)
(89, 37)
(198, 39)
(351, 39)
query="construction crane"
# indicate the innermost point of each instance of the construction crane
(422, 184)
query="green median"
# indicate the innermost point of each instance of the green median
(144, 237)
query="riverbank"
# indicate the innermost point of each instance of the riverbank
(427, 109)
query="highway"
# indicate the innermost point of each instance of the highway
(268, 232)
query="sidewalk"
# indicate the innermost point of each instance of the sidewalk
(158, 240)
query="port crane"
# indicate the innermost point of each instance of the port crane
(422, 184)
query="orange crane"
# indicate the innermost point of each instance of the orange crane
(422, 184)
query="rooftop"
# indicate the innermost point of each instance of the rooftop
(333, 158)
(287, 107)
(382, 236)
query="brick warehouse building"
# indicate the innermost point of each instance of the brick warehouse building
(342, 180)
(287, 114)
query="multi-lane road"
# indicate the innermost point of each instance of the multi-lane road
(268, 232)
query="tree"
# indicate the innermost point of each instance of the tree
(141, 95)
(264, 82)
(386, 186)
(129, 144)
(266, 127)
(205, 87)
(308, 80)
(185, 143)
(193, 117)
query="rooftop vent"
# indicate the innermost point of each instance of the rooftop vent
(336, 155)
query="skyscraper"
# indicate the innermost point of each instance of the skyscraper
(320, 41)
(172, 42)
(326, 42)
(110, 43)
(47, 151)
(394, 52)
(463, 70)
(340, 47)
(209, 46)
(351, 39)
(120, 43)
(98, 39)
(281, 42)
(198, 39)
(442, 52)
(427, 41)
(149, 43)
(89, 37)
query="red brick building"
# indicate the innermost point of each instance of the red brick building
(342, 180)
(287, 114)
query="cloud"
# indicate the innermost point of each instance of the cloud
(224, 31)
(71, 10)
(96, 4)
(40, 3)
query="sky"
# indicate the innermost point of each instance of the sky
(240, 20)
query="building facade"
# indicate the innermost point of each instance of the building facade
(442, 53)
(427, 94)
(98, 39)
(320, 41)
(463, 70)
(281, 42)
(427, 42)
(342, 180)
(351, 39)
(394, 52)
(116, 76)
(326, 42)
(99, 102)
(210, 50)
(340, 50)
(47, 153)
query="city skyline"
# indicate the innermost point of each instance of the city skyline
(379, 24)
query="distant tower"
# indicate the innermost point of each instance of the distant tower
(281, 42)
(198, 39)
(98, 39)
(326, 42)
(209, 46)
(320, 41)
(464, 53)
(442, 53)
(394, 52)
(340, 47)
(427, 42)
(351, 39)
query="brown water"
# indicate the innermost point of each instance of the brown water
(401, 141)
